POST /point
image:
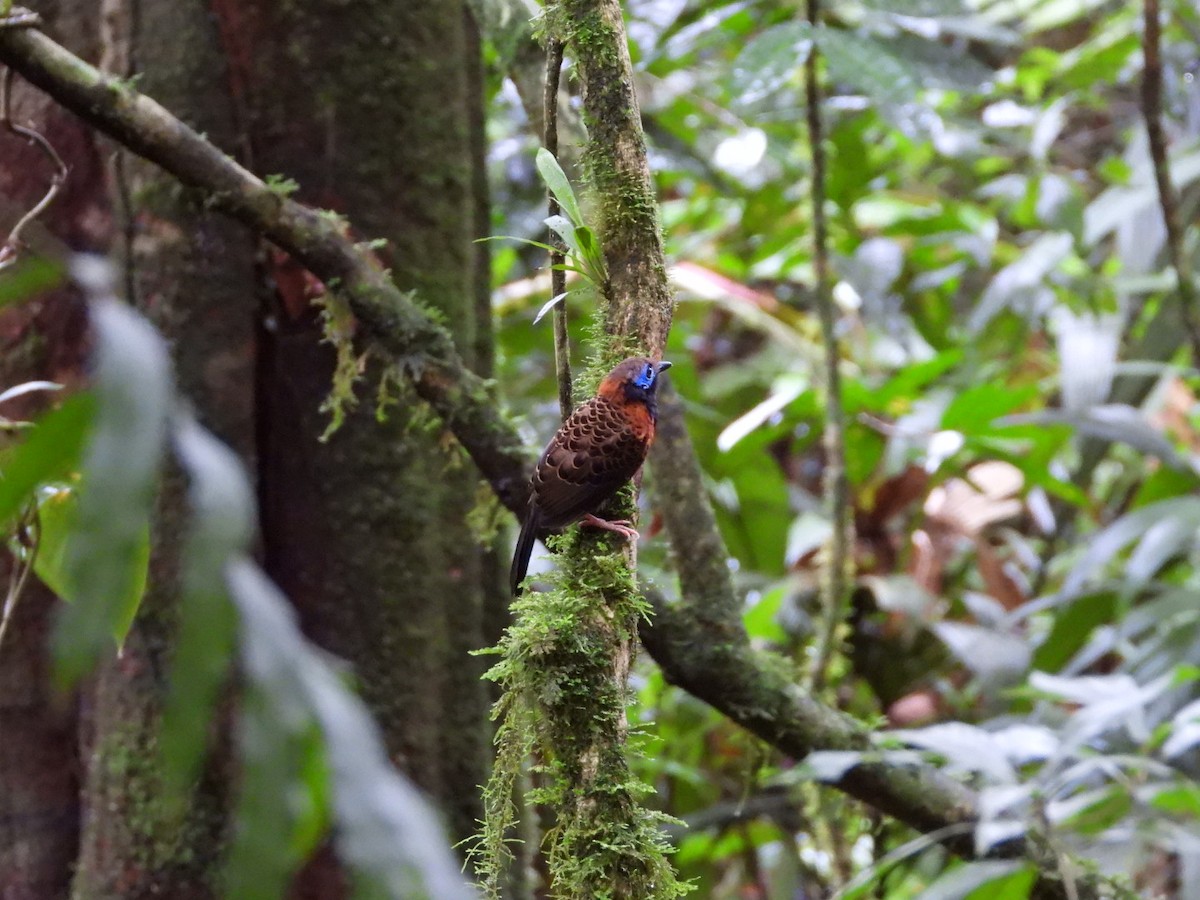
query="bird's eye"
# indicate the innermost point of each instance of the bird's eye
(648, 372)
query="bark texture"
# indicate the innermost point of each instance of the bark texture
(372, 114)
(191, 272)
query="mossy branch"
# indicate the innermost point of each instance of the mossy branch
(570, 650)
(638, 301)
(404, 331)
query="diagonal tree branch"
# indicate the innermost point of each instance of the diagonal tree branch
(390, 316)
(683, 635)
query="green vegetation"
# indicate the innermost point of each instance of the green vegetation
(1021, 440)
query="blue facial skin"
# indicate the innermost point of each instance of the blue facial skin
(642, 388)
(649, 374)
(646, 378)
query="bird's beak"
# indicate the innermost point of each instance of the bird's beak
(663, 366)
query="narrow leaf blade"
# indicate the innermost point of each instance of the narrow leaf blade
(107, 557)
(558, 185)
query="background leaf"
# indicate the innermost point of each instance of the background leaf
(106, 562)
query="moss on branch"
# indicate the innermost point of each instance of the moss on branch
(406, 333)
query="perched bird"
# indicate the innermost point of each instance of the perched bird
(597, 449)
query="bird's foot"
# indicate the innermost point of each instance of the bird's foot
(622, 527)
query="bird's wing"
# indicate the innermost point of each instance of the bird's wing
(589, 458)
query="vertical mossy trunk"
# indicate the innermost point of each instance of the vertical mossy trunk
(192, 273)
(565, 662)
(369, 109)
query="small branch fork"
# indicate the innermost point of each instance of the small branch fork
(11, 249)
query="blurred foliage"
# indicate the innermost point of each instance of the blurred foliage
(76, 496)
(1023, 428)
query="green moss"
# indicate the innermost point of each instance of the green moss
(281, 185)
(487, 516)
(337, 323)
(564, 662)
(157, 834)
(562, 669)
(564, 701)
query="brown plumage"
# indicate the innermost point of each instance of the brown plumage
(597, 449)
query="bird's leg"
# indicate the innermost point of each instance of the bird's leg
(620, 526)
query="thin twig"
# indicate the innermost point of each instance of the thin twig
(1152, 82)
(834, 594)
(19, 576)
(910, 848)
(558, 277)
(10, 250)
(18, 18)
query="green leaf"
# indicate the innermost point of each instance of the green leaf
(58, 511)
(1182, 514)
(762, 619)
(592, 254)
(558, 185)
(1021, 285)
(56, 516)
(28, 278)
(1073, 625)
(561, 226)
(974, 410)
(282, 807)
(984, 880)
(28, 387)
(49, 453)
(1181, 800)
(922, 8)
(222, 508)
(549, 305)
(770, 61)
(385, 831)
(906, 383)
(106, 558)
(895, 72)
(1102, 810)
(865, 64)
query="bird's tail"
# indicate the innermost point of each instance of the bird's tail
(520, 563)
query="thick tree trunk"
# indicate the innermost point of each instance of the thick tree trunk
(39, 790)
(191, 271)
(377, 115)
(370, 111)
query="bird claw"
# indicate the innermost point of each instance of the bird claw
(620, 526)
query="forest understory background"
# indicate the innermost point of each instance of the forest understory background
(916, 595)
